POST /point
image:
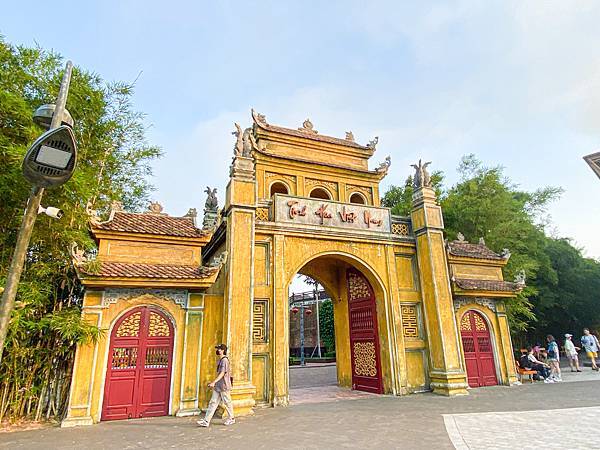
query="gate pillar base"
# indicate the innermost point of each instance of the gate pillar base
(281, 400)
(188, 412)
(76, 422)
(449, 384)
(243, 399)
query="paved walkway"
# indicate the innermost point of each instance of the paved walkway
(487, 418)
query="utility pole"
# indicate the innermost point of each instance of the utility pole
(302, 362)
(31, 212)
(316, 292)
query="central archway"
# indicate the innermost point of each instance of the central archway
(359, 317)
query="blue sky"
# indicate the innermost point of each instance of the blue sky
(515, 82)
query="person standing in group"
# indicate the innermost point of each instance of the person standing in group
(571, 353)
(553, 358)
(590, 343)
(221, 387)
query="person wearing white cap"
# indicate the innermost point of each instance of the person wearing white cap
(571, 352)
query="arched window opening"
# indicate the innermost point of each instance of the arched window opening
(279, 188)
(320, 193)
(358, 199)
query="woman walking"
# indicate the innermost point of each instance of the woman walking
(553, 359)
(590, 343)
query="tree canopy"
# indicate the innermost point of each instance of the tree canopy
(113, 164)
(562, 286)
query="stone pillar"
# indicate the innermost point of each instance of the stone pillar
(239, 211)
(446, 369)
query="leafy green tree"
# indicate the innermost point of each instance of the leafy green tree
(113, 164)
(326, 325)
(485, 204)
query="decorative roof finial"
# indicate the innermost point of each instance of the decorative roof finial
(349, 136)
(384, 166)
(505, 253)
(372, 144)
(308, 127)
(422, 178)
(211, 209)
(116, 206)
(460, 237)
(520, 277)
(154, 208)
(238, 149)
(258, 117)
(481, 241)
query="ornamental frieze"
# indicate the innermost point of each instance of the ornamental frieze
(459, 302)
(177, 296)
(310, 182)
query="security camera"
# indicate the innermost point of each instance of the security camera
(51, 211)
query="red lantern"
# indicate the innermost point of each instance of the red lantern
(295, 310)
(308, 312)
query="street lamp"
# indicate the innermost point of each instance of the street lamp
(50, 161)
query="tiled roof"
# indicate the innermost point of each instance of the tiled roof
(463, 248)
(311, 135)
(134, 270)
(146, 223)
(487, 285)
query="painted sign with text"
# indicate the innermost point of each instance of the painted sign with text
(311, 211)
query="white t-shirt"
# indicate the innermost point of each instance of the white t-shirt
(570, 347)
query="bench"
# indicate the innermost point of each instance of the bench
(522, 372)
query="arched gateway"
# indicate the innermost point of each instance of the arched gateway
(297, 201)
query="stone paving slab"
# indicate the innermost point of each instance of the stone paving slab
(381, 422)
(541, 429)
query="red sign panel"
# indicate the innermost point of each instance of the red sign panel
(364, 338)
(477, 347)
(138, 376)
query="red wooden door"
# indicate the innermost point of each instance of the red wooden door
(477, 347)
(138, 376)
(364, 339)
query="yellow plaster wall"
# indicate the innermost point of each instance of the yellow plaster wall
(212, 334)
(146, 252)
(476, 272)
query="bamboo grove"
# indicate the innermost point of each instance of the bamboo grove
(114, 164)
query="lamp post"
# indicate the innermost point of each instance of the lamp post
(50, 161)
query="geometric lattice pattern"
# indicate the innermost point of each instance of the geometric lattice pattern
(262, 214)
(361, 319)
(157, 357)
(130, 327)
(364, 359)
(158, 326)
(124, 358)
(259, 321)
(410, 327)
(400, 229)
(358, 287)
